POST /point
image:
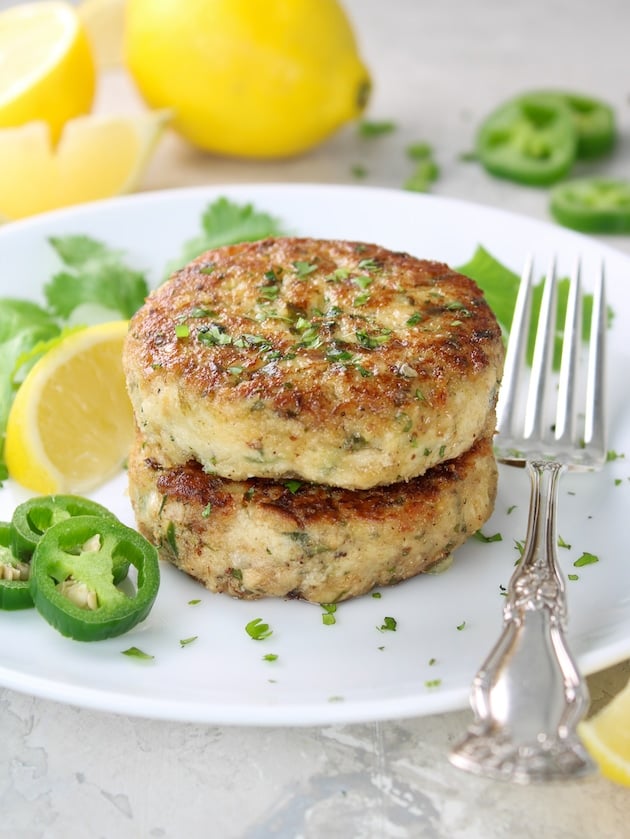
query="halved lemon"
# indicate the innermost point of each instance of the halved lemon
(606, 737)
(104, 22)
(97, 157)
(46, 65)
(71, 425)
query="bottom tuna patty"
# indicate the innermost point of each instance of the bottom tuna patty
(258, 537)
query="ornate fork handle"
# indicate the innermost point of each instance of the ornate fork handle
(515, 736)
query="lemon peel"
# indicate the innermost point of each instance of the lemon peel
(98, 156)
(47, 66)
(71, 425)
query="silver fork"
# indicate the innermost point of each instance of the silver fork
(528, 696)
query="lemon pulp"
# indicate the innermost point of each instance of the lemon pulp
(46, 66)
(71, 424)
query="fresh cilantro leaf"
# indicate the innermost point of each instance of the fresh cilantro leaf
(110, 285)
(500, 287)
(23, 326)
(79, 251)
(225, 222)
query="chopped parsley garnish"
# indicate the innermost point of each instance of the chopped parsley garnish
(461, 626)
(358, 170)
(185, 642)
(613, 455)
(328, 618)
(496, 537)
(586, 559)
(136, 652)
(433, 683)
(563, 544)
(258, 630)
(376, 128)
(388, 625)
(292, 485)
(376, 595)
(573, 576)
(303, 269)
(270, 657)
(172, 539)
(194, 602)
(419, 151)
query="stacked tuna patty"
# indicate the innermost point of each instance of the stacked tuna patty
(315, 417)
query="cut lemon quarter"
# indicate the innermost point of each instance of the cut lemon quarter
(606, 737)
(97, 157)
(104, 22)
(71, 423)
(46, 65)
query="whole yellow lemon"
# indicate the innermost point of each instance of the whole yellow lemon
(249, 78)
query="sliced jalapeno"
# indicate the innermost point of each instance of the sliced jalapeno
(592, 205)
(530, 139)
(594, 122)
(15, 592)
(72, 577)
(33, 518)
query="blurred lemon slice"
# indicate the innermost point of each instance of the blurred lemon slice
(97, 157)
(46, 66)
(104, 22)
(71, 423)
(606, 736)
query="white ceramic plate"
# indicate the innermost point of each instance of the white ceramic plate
(350, 671)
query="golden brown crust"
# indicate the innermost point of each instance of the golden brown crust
(309, 351)
(259, 538)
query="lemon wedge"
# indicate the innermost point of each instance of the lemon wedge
(71, 425)
(606, 737)
(46, 66)
(97, 157)
(104, 22)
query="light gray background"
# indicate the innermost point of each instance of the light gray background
(67, 773)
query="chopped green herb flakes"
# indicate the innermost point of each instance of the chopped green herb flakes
(586, 559)
(388, 625)
(258, 630)
(136, 652)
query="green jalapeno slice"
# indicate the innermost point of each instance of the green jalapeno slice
(592, 205)
(530, 139)
(15, 592)
(72, 577)
(32, 518)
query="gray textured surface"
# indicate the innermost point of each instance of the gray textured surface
(67, 773)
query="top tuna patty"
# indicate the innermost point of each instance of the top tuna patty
(335, 362)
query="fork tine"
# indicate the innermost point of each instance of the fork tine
(541, 362)
(595, 422)
(515, 349)
(565, 413)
